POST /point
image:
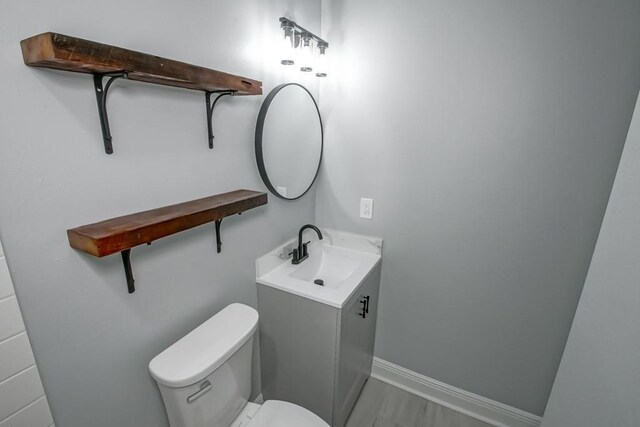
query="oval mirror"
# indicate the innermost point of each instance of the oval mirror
(289, 140)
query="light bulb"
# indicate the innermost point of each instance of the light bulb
(306, 54)
(321, 61)
(286, 46)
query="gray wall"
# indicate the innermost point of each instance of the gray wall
(91, 339)
(488, 133)
(599, 376)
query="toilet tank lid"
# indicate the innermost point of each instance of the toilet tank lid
(206, 348)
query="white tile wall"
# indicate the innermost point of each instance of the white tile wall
(6, 288)
(35, 414)
(16, 355)
(22, 399)
(18, 391)
(10, 318)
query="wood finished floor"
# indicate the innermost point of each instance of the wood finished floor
(383, 405)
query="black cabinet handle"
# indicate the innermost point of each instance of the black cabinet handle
(365, 306)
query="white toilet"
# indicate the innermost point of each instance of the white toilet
(205, 378)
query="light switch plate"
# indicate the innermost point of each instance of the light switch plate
(366, 208)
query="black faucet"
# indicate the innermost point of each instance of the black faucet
(301, 253)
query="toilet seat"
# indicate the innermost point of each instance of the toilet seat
(276, 413)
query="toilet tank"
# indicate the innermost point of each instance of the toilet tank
(205, 377)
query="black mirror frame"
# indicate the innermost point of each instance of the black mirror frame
(258, 141)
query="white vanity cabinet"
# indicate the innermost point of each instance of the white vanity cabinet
(314, 354)
(355, 334)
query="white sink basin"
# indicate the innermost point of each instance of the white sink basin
(341, 261)
(330, 264)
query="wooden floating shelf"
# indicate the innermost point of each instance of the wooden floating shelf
(61, 52)
(117, 234)
(125, 232)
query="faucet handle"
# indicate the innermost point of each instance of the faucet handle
(305, 251)
(295, 255)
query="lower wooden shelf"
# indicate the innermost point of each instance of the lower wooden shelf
(125, 232)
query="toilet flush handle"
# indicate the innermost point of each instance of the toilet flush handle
(204, 387)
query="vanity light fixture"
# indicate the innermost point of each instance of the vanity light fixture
(298, 43)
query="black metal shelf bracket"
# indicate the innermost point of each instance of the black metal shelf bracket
(218, 239)
(210, 107)
(128, 272)
(102, 89)
(101, 97)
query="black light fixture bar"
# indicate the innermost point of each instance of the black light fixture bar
(303, 32)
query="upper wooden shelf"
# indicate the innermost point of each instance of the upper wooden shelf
(60, 52)
(57, 51)
(125, 232)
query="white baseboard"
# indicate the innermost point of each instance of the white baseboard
(471, 404)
